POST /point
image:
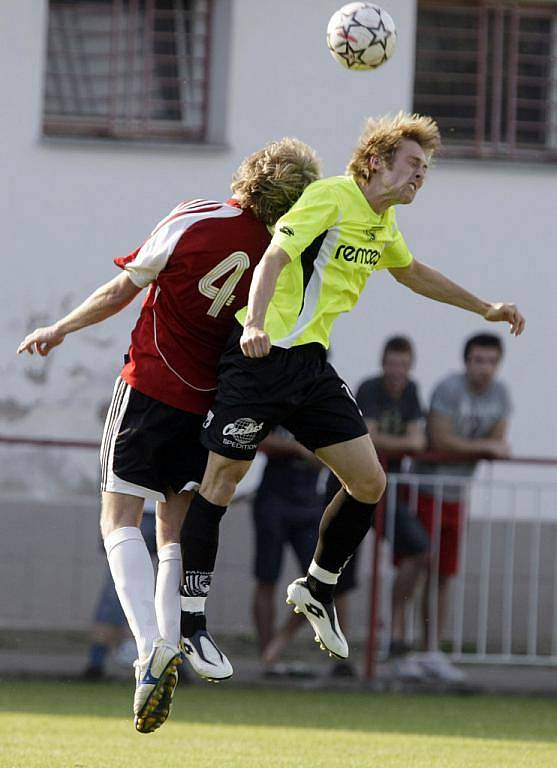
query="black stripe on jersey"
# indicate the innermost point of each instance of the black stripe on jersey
(308, 260)
(114, 413)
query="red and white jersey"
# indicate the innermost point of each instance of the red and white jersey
(199, 262)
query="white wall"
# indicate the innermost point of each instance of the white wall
(68, 207)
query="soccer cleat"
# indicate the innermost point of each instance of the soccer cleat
(205, 657)
(321, 616)
(156, 679)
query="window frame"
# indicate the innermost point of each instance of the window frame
(114, 125)
(502, 106)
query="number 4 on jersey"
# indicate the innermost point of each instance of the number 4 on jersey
(222, 295)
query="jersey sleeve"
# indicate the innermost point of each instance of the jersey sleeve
(396, 253)
(314, 212)
(145, 263)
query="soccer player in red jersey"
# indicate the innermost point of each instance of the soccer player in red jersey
(197, 265)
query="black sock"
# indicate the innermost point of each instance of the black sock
(199, 542)
(320, 591)
(344, 524)
(190, 623)
(199, 539)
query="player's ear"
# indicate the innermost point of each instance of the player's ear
(375, 163)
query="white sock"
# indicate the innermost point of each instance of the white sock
(134, 579)
(193, 604)
(327, 577)
(167, 593)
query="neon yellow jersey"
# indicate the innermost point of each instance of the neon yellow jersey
(335, 241)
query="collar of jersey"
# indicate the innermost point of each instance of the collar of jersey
(369, 212)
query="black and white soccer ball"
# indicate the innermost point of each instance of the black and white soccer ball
(361, 36)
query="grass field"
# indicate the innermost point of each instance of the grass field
(75, 725)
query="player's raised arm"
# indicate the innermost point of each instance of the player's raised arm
(255, 342)
(107, 300)
(433, 284)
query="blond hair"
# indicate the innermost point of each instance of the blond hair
(382, 137)
(271, 180)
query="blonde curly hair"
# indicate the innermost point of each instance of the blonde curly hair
(270, 180)
(382, 137)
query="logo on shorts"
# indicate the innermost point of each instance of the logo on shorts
(242, 430)
(208, 419)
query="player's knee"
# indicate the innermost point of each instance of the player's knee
(168, 533)
(220, 483)
(106, 525)
(369, 487)
(117, 512)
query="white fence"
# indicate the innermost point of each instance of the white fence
(503, 606)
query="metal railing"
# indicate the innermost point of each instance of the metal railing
(504, 608)
(504, 597)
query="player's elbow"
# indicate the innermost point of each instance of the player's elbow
(120, 292)
(399, 274)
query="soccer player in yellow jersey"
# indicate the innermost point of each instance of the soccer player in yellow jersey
(274, 370)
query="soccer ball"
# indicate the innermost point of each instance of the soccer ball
(361, 36)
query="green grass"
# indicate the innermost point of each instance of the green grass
(74, 725)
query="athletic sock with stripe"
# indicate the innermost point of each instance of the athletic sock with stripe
(343, 526)
(199, 542)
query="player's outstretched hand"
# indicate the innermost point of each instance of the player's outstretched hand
(255, 343)
(507, 313)
(41, 341)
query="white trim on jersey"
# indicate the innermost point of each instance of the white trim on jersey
(313, 290)
(189, 206)
(155, 252)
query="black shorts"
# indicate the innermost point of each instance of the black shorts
(149, 447)
(294, 387)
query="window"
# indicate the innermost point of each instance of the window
(487, 71)
(128, 68)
